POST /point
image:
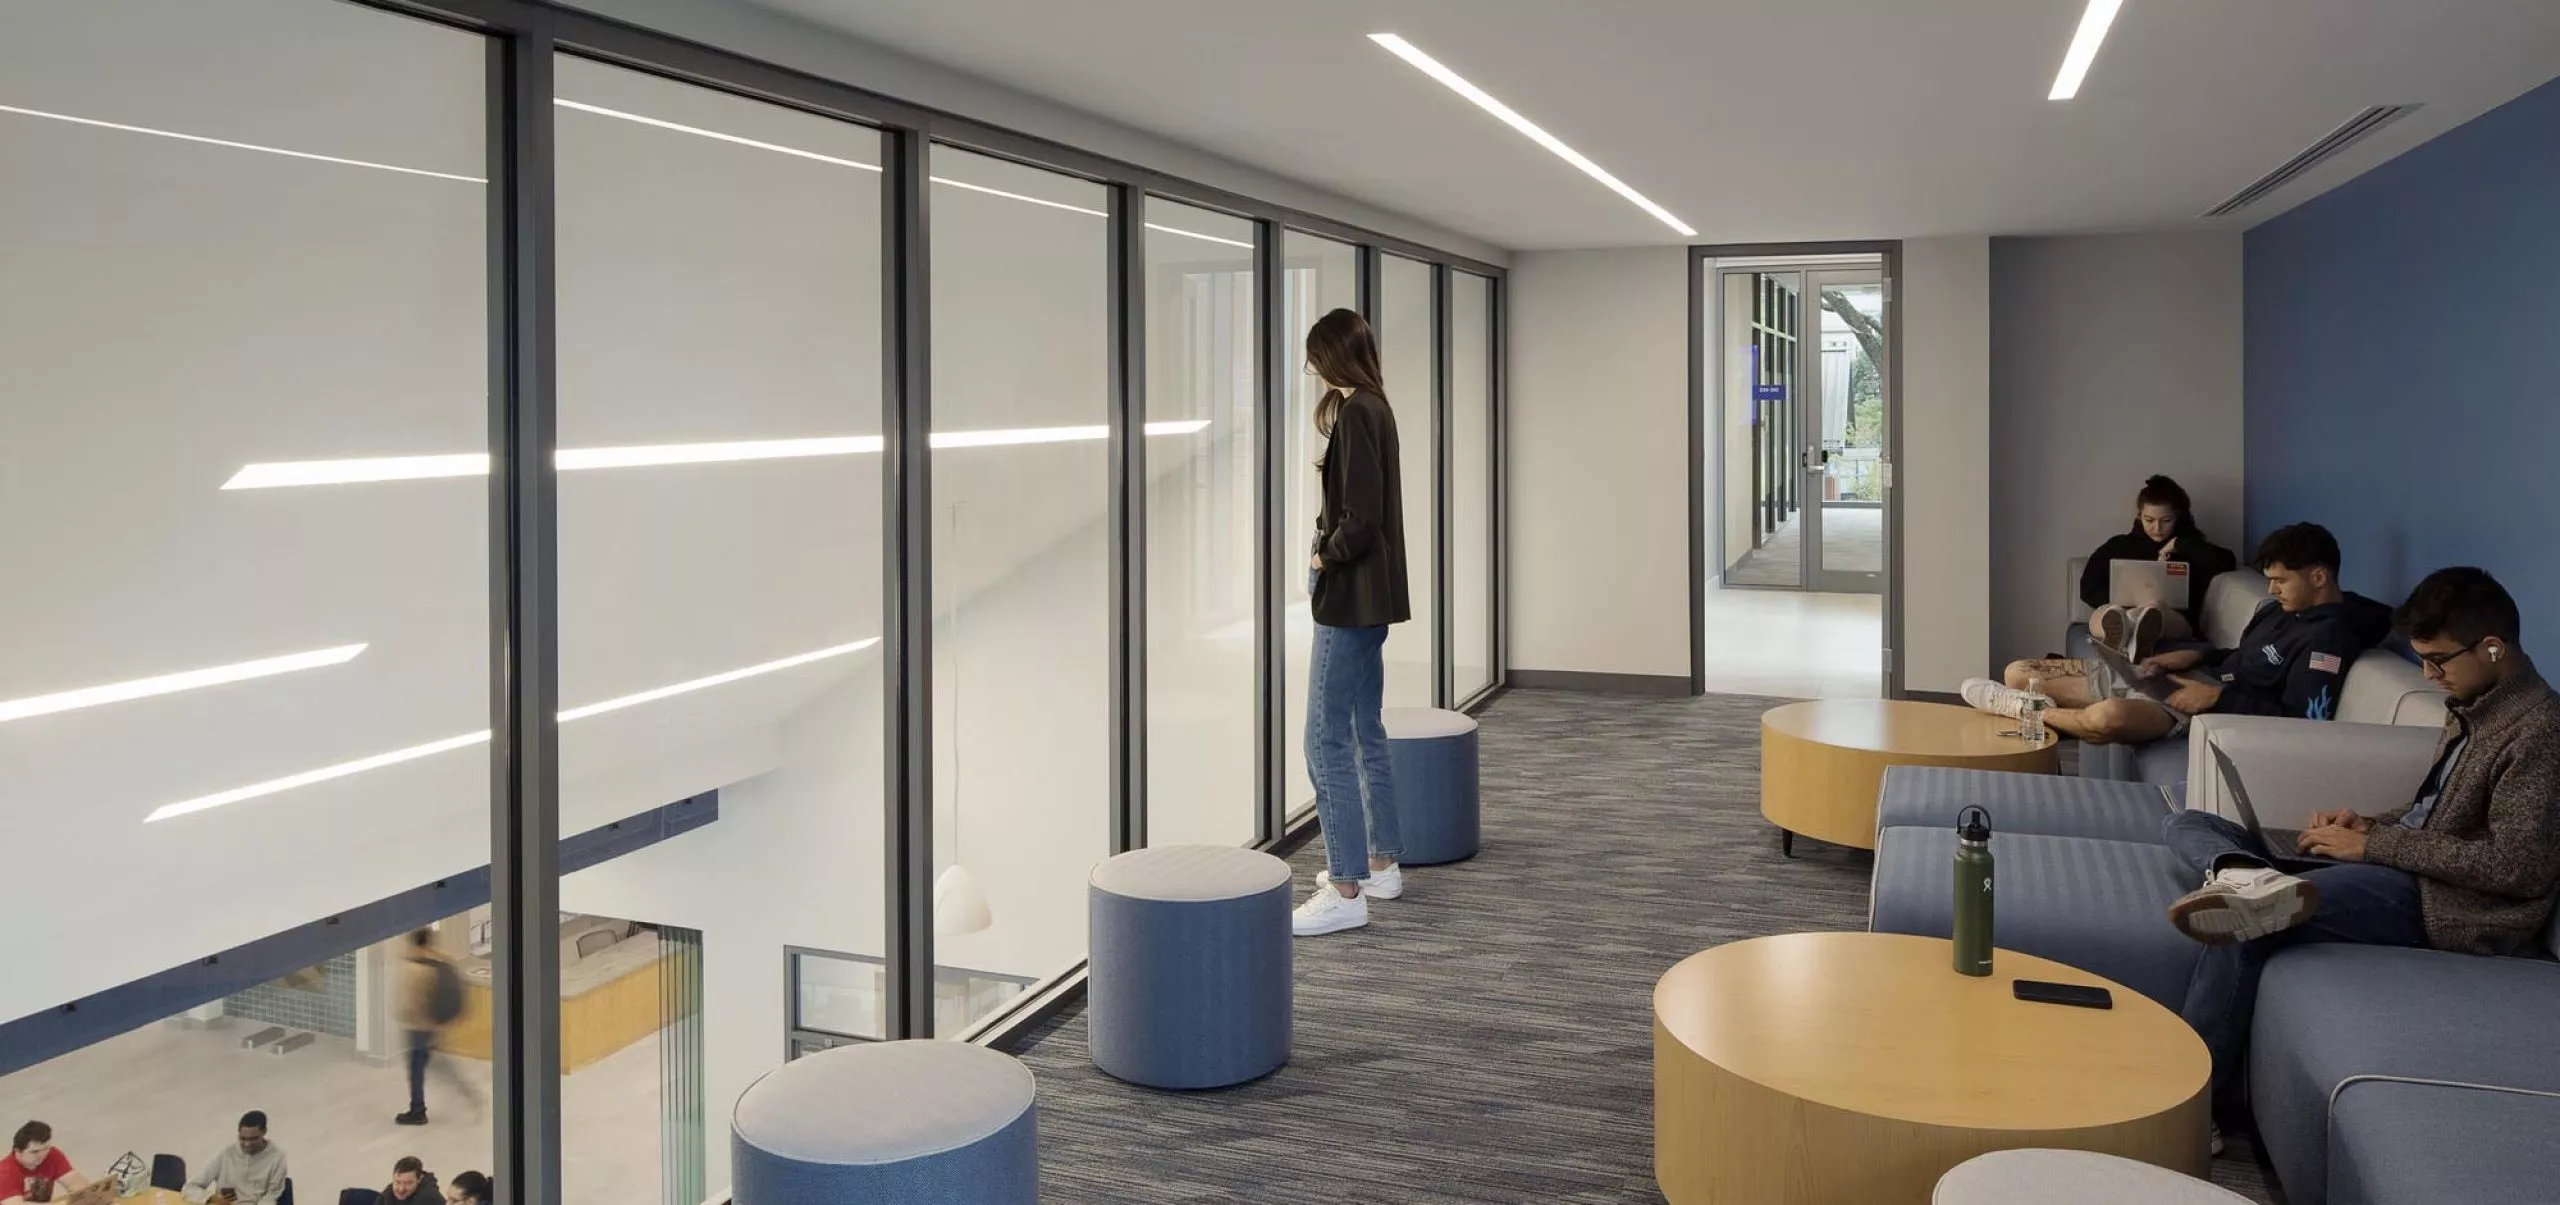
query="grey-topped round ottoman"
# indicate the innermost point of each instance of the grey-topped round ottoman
(1188, 983)
(899, 1123)
(1434, 755)
(2036, 1176)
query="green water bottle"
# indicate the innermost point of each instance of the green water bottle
(1973, 892)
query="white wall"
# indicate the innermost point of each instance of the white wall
(791, 42)
(2113, 358)
(1599, 429)
(1946, 451)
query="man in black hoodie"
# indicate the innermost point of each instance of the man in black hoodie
(2292, 660)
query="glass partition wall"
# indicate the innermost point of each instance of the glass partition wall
(707, 557)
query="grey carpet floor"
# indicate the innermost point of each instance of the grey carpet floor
(1488, 1037)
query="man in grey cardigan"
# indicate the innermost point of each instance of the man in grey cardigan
(248, 1172)
(2470, 865)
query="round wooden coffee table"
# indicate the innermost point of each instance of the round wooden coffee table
(1859, 1067)
(1822, 761)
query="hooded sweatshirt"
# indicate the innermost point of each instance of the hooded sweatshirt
(2295, 664)
(2205, 561)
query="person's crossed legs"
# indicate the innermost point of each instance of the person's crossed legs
(2080, 707)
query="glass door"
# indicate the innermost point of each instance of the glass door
(1764, 545)
(1842, 417)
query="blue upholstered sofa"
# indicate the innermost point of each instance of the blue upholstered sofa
(2376, 1076)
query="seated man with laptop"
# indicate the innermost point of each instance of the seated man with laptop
(2291, 661)
(2470, 865)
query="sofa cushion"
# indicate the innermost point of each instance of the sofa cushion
(2044, 804)
(2327, 1013)
(2230, 602)
(2397, 1143)
(2101, 906)
(2384, 687)
(2161, 763)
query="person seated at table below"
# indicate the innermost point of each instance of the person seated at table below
(2164, 529)
(2470, 865)
(248, 1172)
(411, 1181)
(39, 1171)
(2292, 660)
(469, 1188)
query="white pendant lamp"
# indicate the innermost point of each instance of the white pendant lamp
(959, 903)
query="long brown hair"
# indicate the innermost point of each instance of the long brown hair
(1343, 351)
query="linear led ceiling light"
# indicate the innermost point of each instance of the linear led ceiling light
(281, 474)
(431, 748)
(2084, 48)
(241, 146)
(169, 684)
(1484, 100)
(796, 152)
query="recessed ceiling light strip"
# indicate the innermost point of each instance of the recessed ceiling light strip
(281, 474)
(169, 684)
(414, 752)
(2094, 23)
(242, 146)
(1484, 100)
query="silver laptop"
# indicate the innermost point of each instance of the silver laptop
(2284, 843)
(2156, 688)
(2153, 583)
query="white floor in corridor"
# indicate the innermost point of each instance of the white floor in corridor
(1795, 645)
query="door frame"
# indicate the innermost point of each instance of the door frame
(1810, 461)
(1706, 439)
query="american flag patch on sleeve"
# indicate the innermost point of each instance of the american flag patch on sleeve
(2326, 663)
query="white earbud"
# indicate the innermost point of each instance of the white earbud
(2496, 651)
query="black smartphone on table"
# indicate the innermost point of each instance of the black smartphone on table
(2037, 991)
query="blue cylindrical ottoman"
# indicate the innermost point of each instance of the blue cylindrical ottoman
(1188, 984)
(1434, 754)
(897, 1123)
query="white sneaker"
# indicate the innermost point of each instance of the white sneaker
(2113, 627)
(2244, 903)
(1329, 911)
(1385, 884)
(1983, 694)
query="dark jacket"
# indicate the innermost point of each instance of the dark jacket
(428, 1193)
(2295, 664)
(2205, 561)
(1360, 532)
(2488, 859)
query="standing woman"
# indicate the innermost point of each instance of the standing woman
(1356, 582)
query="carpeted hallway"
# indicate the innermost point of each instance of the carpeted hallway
(1487, 1038)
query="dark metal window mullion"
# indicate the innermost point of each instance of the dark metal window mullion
(907, 584)
(524, 878)
(1272, 381)
(1127, 272)
(1443, 613)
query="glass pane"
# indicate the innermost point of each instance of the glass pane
(1201, 468)
(1853, 354)
(244, 703)
(1404, 346)
(720, 588)
(1021, 565)
(1764, 544)
(1323, 276)
(1470, 483)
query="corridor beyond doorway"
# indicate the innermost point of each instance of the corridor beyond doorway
(1794, 644)
(1852, 539)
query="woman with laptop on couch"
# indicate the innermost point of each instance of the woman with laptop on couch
(2164, 530)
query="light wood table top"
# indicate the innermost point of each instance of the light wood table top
(1860, 1067)
(1822, 762)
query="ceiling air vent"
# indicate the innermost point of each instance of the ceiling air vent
(2354, 131)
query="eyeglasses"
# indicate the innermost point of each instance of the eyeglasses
(2435, 663)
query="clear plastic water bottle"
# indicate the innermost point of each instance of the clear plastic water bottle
(2031, 711)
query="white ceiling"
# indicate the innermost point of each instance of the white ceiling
(1754, 120)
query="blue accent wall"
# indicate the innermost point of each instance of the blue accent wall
(2403, 363)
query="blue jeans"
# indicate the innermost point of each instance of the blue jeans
(2359, 903)
(1347, 750)
(422, 1047)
